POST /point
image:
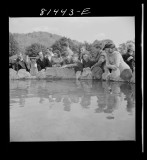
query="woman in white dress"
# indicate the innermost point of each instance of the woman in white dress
(117, 68)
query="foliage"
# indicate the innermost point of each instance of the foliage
(124, 46)
(13, 45)
(44, 38)
(73, 45)
(34, 49)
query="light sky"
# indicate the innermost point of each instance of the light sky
(118, 29)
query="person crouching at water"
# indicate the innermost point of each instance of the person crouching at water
(43, 62)
(77, 65)
(115, 64)
(99, 68)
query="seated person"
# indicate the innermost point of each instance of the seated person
(86, 61)
(98, 68)
(57, 60)
(129, 58)
(42, 62)
(20, 63)
(115, 64)
(33, 69)
(67, 60)
(83, 51)
(49, 54)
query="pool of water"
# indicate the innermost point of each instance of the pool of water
(71, 110)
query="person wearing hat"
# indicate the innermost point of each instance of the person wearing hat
(118, 68)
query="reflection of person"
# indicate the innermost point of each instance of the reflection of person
(57, 97)
(66, 103)
(129, 93)
(85, 101)
(112, 96)
(73, 98)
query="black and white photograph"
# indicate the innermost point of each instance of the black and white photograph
(72, 79)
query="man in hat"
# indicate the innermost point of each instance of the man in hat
(116, 65)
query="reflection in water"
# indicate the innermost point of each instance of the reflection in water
(68, 92)
(108, 99)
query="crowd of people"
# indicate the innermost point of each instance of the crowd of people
(110, 65)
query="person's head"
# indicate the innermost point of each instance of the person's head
(57, 53)
(130, 52)
(40, 55)
(49, 49)
(109, 48)
(33, 60)
(20, 56)
(85, 57)
(102, 57)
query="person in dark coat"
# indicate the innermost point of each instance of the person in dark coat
(42, 62)
(129, 58)
(86, 61)
(20, 63)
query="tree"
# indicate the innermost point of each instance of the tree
(13, 45)
(34, 49)
(58, 45)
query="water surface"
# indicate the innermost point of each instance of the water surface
(71, 110)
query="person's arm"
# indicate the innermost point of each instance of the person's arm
(117, 59)
(117, 62)
(69, 65)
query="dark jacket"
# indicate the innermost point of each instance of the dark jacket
(78, 67)
(88, 63)
(20, 65)
(131, 62)
(42, 64)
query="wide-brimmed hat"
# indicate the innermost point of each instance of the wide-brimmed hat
(109, 45)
